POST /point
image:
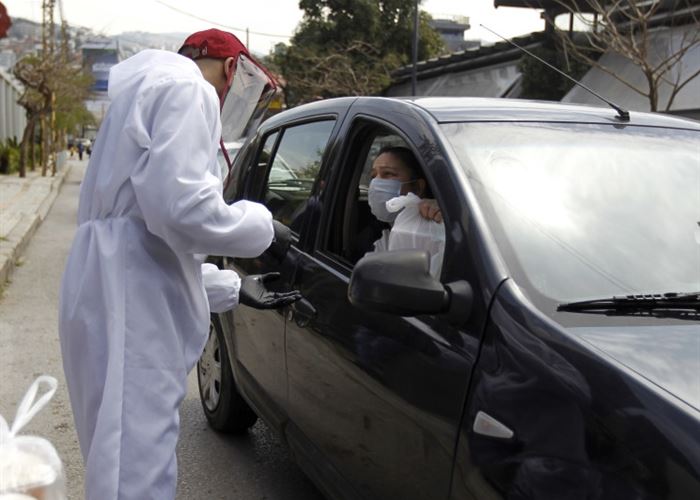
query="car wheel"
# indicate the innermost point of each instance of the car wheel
(223, 406)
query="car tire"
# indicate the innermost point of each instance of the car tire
(223, 406)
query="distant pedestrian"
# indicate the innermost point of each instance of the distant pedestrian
(80, 150)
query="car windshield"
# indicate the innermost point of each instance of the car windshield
(585, 211)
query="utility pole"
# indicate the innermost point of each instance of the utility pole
(60, 135)
(48, 47)
(65, 49)
(414, 76)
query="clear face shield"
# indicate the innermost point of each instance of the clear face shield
(247, 100)
(245, 104)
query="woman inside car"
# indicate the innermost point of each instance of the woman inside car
(416, 219)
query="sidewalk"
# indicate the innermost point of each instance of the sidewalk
(24, 203)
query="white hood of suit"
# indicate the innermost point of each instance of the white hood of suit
(147, 67)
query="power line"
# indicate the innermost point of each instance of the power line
(242, 30)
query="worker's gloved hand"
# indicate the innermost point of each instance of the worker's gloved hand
(254, 293)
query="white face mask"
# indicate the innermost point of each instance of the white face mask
(246, 101)
(381, 191)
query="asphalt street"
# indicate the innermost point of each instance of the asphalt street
(211, 466)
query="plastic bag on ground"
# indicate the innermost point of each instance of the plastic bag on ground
(30, 468)
(412, 231)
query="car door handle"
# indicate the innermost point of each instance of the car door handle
(302, 311)
(486, 425)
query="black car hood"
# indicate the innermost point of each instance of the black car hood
(667, 355)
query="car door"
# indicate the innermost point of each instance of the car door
(281, 174)
(379, 397)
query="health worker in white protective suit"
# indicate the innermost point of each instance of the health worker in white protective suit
(136, 297)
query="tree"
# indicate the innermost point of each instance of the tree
(36, 99)
(634, 29)
(51, 84)
(72, 90)
(540, 82)
(349, 47)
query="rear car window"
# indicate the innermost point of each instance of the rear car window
(294, 169)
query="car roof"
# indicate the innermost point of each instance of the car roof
(460, 109)
(475, 109)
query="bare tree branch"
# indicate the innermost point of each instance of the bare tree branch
(678, 87)
(625, 27)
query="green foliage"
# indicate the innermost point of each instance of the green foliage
(350, 47)
(9, 156)
(541, 82)
(71, 113)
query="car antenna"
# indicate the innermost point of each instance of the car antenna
(622, 115)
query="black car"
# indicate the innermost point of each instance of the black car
(556, 357)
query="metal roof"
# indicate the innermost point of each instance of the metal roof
(575, 5)
(459, 61)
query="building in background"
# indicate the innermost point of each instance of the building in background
(452, 30)
(7, 59)
(671, 27)
(98, 57)
(486, 71)
(493, 71)
(685, 103)
(470, 69)
(13, 117)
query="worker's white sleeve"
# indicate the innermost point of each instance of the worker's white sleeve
(179, 197)
(222, 287)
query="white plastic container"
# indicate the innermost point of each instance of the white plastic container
(30, 468)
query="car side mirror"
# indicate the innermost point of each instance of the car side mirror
(399, 282)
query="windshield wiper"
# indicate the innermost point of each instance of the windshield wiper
(669, 301)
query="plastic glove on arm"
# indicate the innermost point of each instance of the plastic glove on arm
(254, 292)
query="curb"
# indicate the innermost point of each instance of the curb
(16, 242)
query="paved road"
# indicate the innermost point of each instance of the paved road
(250, 467)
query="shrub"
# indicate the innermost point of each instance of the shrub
(9, 156)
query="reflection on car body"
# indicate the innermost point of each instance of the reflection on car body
(388, 383)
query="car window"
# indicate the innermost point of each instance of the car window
(266, 152)
(362, 231)
(294, 168)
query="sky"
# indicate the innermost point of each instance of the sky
(268, 21)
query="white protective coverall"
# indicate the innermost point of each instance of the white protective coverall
(134, 314)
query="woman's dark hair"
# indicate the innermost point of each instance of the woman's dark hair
(409, 160)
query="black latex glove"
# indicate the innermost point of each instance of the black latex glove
(254, 292)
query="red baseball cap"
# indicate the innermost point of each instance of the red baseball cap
(212, 43)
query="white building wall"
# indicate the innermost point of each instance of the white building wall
(663, 43)
(13, 117)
